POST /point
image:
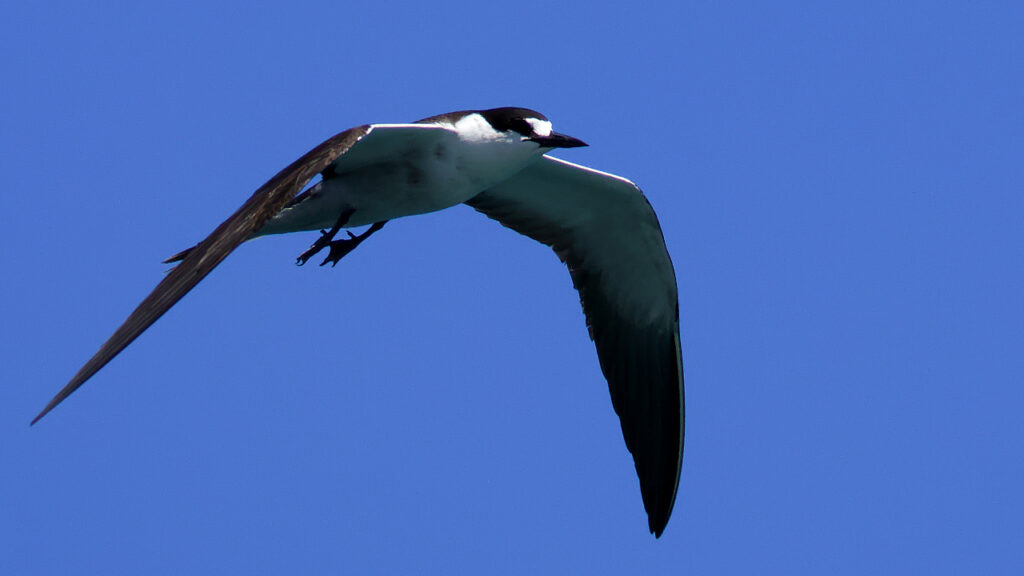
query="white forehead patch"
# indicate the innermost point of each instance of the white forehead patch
(541, 128)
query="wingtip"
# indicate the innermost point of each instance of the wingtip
(658, 516)
(44, 412)
(61, 396)
(657, 528)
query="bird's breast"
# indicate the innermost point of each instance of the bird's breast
(423, 180)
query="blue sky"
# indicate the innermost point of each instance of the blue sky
(840, 189)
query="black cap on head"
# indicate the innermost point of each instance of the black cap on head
(517, 120)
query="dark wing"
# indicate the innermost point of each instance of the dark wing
(604, 229)
(199, 261)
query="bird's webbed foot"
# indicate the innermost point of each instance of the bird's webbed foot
(339, 248)
(322, 242)
(325, 238)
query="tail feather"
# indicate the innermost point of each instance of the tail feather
(180, 255)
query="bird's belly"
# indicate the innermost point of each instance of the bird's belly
(391, 190)
(399, 189)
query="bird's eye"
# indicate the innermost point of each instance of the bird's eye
(521, 126)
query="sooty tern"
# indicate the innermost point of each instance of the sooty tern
(599, 224)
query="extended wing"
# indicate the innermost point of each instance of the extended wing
(604, 229)
(267, 201)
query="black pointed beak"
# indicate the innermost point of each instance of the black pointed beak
(556, 140)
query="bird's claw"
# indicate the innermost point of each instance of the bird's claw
(322, 242)
(339, 248)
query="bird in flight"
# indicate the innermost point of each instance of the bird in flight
(600, 225)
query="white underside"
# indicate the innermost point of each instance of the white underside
(405, 169)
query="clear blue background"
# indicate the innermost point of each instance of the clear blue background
(840, 189)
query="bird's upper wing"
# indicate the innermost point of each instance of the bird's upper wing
(604, 229)
(267, 201)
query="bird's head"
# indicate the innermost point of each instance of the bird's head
(529, 126)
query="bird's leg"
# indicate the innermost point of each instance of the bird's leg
(341, 247)
(325, 237)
